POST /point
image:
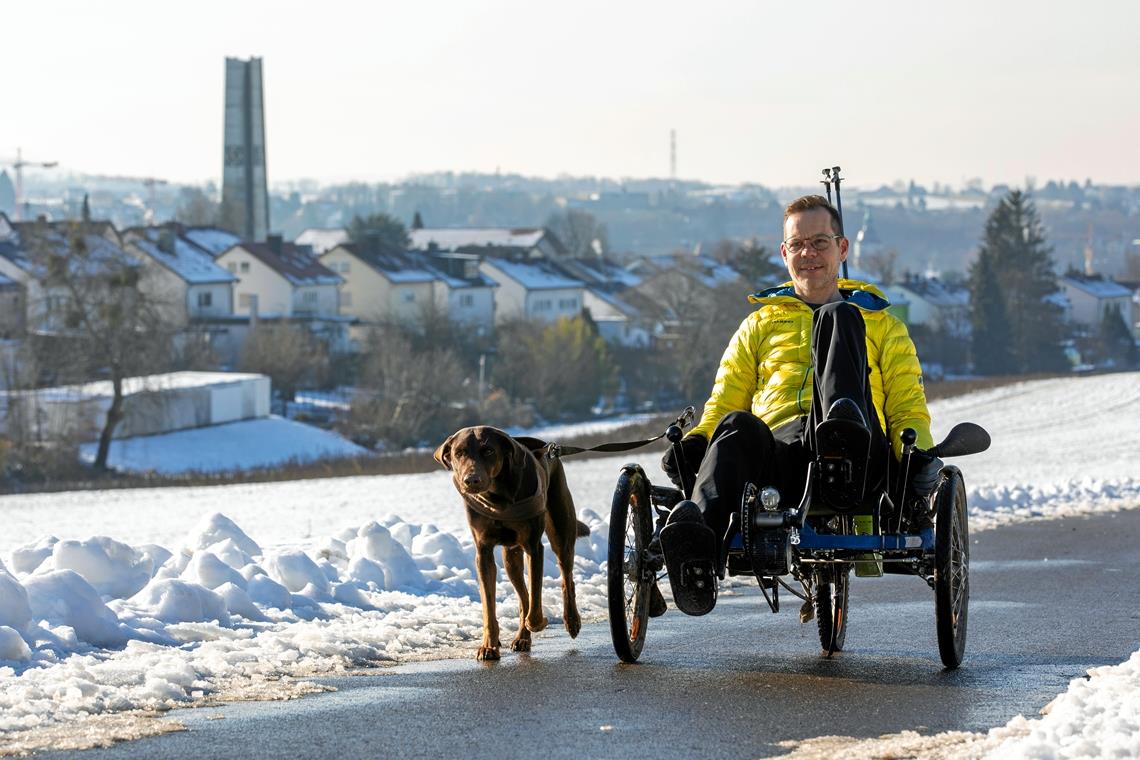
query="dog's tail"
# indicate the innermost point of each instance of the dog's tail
(583, 529)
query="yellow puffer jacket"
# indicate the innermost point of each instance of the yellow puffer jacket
(767, 365)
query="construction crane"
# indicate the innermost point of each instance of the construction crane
(18, 164)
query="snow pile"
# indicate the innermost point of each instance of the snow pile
(95, 625)
(150, 598)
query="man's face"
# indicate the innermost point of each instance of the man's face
(814, 272)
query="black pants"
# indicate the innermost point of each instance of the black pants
(743, 449)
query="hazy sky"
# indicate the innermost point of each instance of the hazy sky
(757, 91)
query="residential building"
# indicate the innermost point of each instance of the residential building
(495, 242)
(184, 278)
(934, 303)
(276, 278)
(21, 243)
(532, 290)
(1091, 296)
(381, 286)
(462, 291)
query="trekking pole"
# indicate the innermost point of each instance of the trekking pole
(838, 206)
(826, 182)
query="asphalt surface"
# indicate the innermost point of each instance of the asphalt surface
(1048, 601)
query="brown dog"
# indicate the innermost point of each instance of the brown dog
(513, 491)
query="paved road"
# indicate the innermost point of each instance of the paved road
(1049, 600)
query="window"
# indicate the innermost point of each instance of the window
(232, 266)
(205, 299)
(566, 304)
(466, 300)
(344, 266)
(244, 267)
(409, 296)
(543, 304)
(309, 297)
(246, 300)
(345, 298)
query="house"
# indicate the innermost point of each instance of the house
(22, 246)
(1091, 296)
(532, 290)
(526, 243)
(182, 276)
(381, 286)
(934, 303)
(276, 278)
(462, 291)
(322, 239)
(619, 322)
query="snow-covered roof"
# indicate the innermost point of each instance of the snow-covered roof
(598, 272)
(58, 238)
(212, 239)
(396, 267)
(708, 271)
(188, 261)
(936, 292)
(452, 239)
(457, 277)
(535, 275)
(294, 264)
(1098, 286)
(618, 303)
(141, 384)
(322, 239)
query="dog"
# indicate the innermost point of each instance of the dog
(513, 491)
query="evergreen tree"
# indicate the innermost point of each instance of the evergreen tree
(381, 231)
(1020, 261)
(990, 335)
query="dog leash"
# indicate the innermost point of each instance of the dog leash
(557, 450)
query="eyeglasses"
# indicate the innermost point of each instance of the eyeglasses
(819, 243)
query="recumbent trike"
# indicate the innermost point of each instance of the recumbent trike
(816, 542)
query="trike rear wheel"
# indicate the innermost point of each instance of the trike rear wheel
(951, 567)
(629, 577)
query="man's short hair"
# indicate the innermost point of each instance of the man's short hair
(809, 202)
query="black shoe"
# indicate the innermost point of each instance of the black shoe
(690, 549)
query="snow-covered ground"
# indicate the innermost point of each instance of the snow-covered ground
(116, 600)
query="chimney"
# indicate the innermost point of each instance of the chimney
(274, 241)
(166, 240)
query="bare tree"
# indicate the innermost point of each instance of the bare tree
(581, 233)
(95, 312)
(290, 355)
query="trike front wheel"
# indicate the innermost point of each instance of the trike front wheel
(629, 576)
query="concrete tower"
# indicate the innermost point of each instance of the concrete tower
(245, 198)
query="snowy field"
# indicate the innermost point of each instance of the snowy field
(148, 599)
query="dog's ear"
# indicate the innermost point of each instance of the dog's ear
(443, 453)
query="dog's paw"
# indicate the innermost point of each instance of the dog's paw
(537, 623)
(573, 623)
(487, 653)
(521, 644)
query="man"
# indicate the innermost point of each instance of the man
(817, 349)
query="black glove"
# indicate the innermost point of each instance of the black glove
(924, 471)
(693, 449)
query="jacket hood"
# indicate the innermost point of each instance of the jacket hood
(862, 294)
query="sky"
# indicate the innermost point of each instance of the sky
(757, 91)
(152, 598)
